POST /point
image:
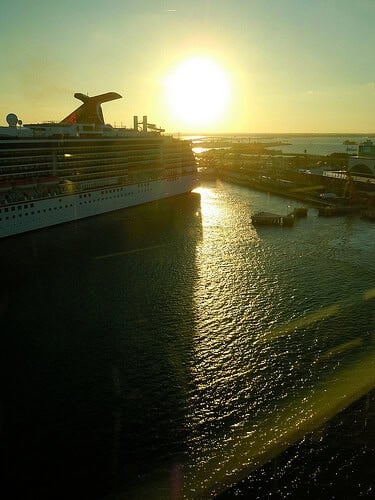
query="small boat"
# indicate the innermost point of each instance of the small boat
(271, 219)
(300, 212)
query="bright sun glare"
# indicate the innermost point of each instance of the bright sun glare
(198, 92)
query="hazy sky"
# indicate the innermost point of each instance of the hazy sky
(283, 65)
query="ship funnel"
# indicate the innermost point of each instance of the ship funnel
(145, 126)
(135, 123)
(90, 111)
(144, 123)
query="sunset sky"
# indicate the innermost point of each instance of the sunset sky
(197, 66)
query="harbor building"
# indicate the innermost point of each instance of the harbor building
(364, 162)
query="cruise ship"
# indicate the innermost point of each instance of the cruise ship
(51, 173)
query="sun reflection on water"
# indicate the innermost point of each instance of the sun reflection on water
(261, 345)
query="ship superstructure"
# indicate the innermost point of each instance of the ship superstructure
(52, 173)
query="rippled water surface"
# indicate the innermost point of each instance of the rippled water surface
(174, 347)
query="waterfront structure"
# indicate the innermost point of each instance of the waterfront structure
(271, 219)
(52, 173)
(364, 162)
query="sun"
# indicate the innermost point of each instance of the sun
(197, 92)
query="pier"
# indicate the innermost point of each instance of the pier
(333, 193)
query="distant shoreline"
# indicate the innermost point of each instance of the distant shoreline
(270, 135)
(242, 147)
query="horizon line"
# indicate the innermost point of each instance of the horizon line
(277, 133)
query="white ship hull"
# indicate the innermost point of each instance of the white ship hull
(36, 214)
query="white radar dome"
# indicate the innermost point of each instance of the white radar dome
(12, 119)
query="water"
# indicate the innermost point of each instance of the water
(174, 346)
(319, 144)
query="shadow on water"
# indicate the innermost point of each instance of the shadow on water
(96, 321)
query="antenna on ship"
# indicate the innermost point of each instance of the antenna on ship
(152, 126)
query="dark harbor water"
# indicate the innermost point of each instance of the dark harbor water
(171, 350)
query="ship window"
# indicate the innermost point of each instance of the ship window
(13, 209)
(31, 205)
(26, 213)
(19, 207)
(6, 209)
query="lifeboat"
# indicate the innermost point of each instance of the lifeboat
(25, 183)
(5, 186)
(48, 181)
